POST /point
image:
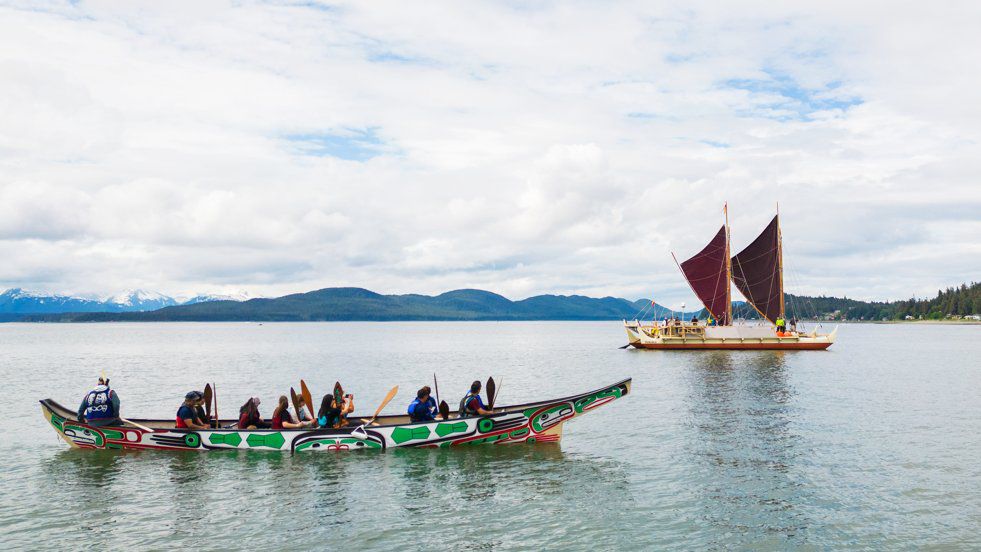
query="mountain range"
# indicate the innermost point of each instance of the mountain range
(348, 303)
(19, 301)
(339, 304)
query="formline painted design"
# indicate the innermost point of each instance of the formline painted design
(539, 422)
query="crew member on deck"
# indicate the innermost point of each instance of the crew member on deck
(100, 406)
(472, 405)
(781, 325)
(187, 418)
(424, 408)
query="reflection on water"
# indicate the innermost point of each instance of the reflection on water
(741, 407)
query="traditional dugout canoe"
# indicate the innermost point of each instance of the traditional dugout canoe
(539, 422)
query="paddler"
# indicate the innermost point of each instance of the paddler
(100, 406)
(202, 416)
(423, 408)
(187, 418)
(471, 404)
(303, 413)
(281, 418)
(329, 415)
(249, 417)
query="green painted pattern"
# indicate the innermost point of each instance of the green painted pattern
(192, 440)
(272, 440)
(447, 429)
(113, 434)
(97, 439)
(231, 439)
(590, 399)
(486, 425)
(402, 434)
(557, 410)
(518, 433)
(58, 422)
(351, 443)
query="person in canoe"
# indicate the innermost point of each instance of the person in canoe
(187, 416)
(329, 414)
(202, 416)
(249, 417)
(282, 419)
(100, 406)
(424, 408)
(471, 404)
(303, 412)
(346, 408)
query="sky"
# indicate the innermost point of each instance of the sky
(518, 147)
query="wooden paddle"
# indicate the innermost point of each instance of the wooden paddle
(338, 395)
(441, 404)
(214, 387)
(491, 391)
(132, 423)
(296, 403)
(493, 398)
(207, 401)
(307, 397)
(388, 399)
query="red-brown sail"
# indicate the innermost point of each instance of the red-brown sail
(708, 274)
(756, 272)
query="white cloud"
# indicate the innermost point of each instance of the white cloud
(561, 148)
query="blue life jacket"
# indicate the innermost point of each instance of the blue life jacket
(99, 404)
(419, 411)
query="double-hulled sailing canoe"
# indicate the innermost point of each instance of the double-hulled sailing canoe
(757, 272)
(539, 422)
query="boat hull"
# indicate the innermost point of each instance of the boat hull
(531, 423)
(640, 338)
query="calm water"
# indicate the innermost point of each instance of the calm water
(875, 443)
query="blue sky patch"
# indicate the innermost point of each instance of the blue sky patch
(795, 101)
(349, 144)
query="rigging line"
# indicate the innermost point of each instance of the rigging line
(749, 299)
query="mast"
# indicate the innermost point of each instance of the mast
(725, 209)
(783, 312)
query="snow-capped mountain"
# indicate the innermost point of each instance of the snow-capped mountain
(241, 296)
(20, 301)
(140, 300)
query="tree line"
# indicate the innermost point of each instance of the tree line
(959, 301)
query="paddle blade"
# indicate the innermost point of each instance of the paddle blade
(338, 395)
(388, 399)
(207, 399)
(493, 398)
(307, 397)
(491, 390)
(296, 403)
(444, 410)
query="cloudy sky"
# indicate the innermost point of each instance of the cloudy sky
(519, 147)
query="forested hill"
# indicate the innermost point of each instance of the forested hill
(954, 302)
(341, 304)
